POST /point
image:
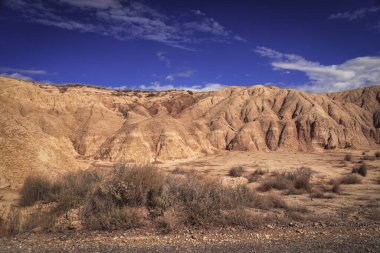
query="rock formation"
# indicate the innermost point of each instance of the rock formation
(63, 127)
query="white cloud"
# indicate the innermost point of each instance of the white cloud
(24, 71)
(352, 15)
(17, 76)
(207, 87)
(208, 25)
(184, 74)
(156, 86)
(170, 78)
(97, 4)
(198, 12)
(351, 74)
(23, 74)
(162, 57)
(125, 20)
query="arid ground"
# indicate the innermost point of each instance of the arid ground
(244, 169)
(320, 220)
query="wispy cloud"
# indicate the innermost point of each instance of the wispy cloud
(125, 20)
(24, 74)
(351, 74)
(24, 71)
(17, 76)
(357, 14)
(156, 86)
(187, 73)
(162, 57)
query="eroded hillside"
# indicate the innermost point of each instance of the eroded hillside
(62, 128)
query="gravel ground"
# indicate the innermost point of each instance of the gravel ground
(313, 239)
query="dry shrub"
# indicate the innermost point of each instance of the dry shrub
(170, 221)
(114, 218)
(369, 158)
(336, 189)
(200, 197)
(178, 171)
(348, 158)
(236, 171)
(361, 170)
(69, 191)
(3, 228)
(254, 176)
(126, 187)
(348, 179)
(242, 218)
(317, 194)
(72, 190)
(295, 182)
(35, 188)
(204, 199)
(131, 196)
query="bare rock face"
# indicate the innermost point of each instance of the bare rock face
(57, 128)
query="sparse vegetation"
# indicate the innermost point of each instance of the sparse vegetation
(347, 179)
(368, 158)
(124, 110)
(318, 194)
(178, 171)
(135, 196)
(254, 176)
(295, 182)
(377, 154)
(62, 88)
(348, 157)
(35, 188)
(336, 188)
(361, 170)
(236, 171)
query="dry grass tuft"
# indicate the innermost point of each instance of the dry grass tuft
(254, 176)
(236, 171)
(336, 189)
(361, 170)
(369, 158)
(34, 189)
(295, 182)
(348, 158)
(347, 179)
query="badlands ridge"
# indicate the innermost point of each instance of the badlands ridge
(47, 127)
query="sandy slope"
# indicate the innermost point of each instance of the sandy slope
(55, 129)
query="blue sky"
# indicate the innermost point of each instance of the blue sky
(319, 46)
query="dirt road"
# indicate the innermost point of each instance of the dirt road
(282, 239)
